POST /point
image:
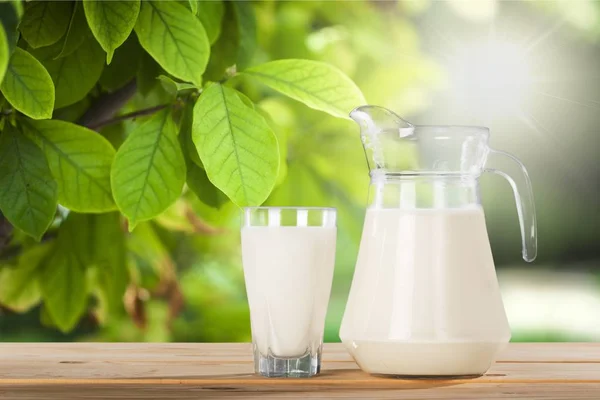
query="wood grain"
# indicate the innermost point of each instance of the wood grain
(177, 370)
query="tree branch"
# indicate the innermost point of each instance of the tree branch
(5, 232)
(9, 252)
(107, 105)
(131, 115)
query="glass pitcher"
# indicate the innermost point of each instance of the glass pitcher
(425, 299)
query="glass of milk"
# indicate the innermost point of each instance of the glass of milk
(288, 255)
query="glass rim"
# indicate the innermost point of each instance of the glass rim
(447, 127)
(453, 130)
(310, 208)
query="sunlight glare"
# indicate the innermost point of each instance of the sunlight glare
(493, 78)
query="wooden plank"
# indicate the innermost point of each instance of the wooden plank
(515, 352)
(226, 370)
(189, 372)
(551, 352)
(459, 391)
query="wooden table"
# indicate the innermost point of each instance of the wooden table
(194, 371)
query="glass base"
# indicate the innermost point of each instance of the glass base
(272, 366)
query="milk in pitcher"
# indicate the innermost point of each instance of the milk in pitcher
(425, 297)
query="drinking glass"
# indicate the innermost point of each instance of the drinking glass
(288, 255)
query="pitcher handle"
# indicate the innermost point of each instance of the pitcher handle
(509, 167)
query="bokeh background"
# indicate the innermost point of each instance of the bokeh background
(528, 70)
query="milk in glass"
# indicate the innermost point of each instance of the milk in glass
(288, 273)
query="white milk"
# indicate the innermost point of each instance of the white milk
(288, 273)
(425, 299)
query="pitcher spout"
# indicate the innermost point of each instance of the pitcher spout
(375, 119)
(386, 138)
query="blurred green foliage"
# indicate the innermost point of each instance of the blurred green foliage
(186, 262)
(187, 282)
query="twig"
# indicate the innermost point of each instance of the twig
(5, 232)
(131, 115)
(199, 225)
(107, 105)
(10, 252)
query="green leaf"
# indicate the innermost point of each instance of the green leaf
(110, 257)
(210, 14)
(196, 177)
(10, 16)
(193, 6)
(265, 109)
(45, 318)
(79, 230)
(45, 22)
(46, 52)
(77, 33)
(4, 54)
(246, 100)
(111, 22)
(28, 195)
(76, 74)
(115, 134)
(150, 253)
(246, 21)
(27, 86)
(149, 170)
(299, 189)
(198, 182)
(316, 84)
(63, 281)
(185, 135)
(18, 5)
(174, 38)
(148, 73)
(73, 112)
(19, 283)
(175, 87)
(224, 51)
(80, 161)
(124, 65)
(237, 147)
